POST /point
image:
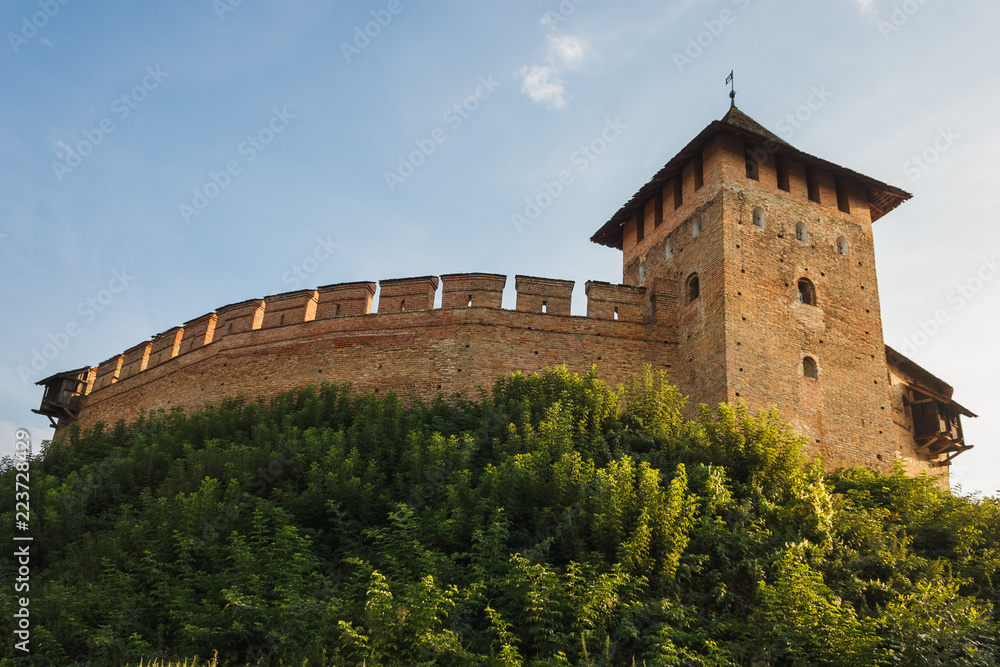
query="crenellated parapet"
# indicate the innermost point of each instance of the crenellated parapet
(543, 295)
(615, 302)
(134, 360)
(198, 332)
(239, 318)
(166, 346)
(750, 274)
(290, 308)
(345, 300)
(465, 290)
(404, 294)
(107, 373)
(397, 298)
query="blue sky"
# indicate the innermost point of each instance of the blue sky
(160, 160)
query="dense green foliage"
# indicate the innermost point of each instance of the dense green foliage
(556, 522)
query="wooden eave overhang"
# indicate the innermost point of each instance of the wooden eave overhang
(926, 381)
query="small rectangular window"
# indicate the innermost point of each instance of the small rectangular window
(699, 172)
(640, 225)
(753, 169)
(781, 167)
(678, 192)
(843, 201)
(812, 185)
(658, 209)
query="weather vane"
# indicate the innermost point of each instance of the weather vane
(732, 90)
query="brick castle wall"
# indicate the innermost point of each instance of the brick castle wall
(259, 349)
(742, 334)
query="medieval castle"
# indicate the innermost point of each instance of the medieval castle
(748, 274)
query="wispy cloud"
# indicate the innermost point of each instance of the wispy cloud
(568, 50)
(59, 147)
(543, 83)
(865, 6)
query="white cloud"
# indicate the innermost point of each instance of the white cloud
(59, 147)
(542, 84)
(865, 6)
(566, 49)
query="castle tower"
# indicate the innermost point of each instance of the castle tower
(749, 274)
(762, 256)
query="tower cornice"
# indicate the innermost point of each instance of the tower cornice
(882, 197)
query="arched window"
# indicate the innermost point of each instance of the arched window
(843, 247)
(807, 293)
(693, 287)
(801, 232)
(642, 271)
(758, 217)
(809, 368)
(696, 226)
(669, 249)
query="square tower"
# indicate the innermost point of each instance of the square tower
(770, 253)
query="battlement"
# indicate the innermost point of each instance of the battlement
(543, 295)
(615, 302)
(290, 308)
(749, 274)
(345, 300)
(401, 294)
(108, 373)
(461, 290)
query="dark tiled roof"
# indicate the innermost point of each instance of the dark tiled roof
(882, 197)
(738, 119)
